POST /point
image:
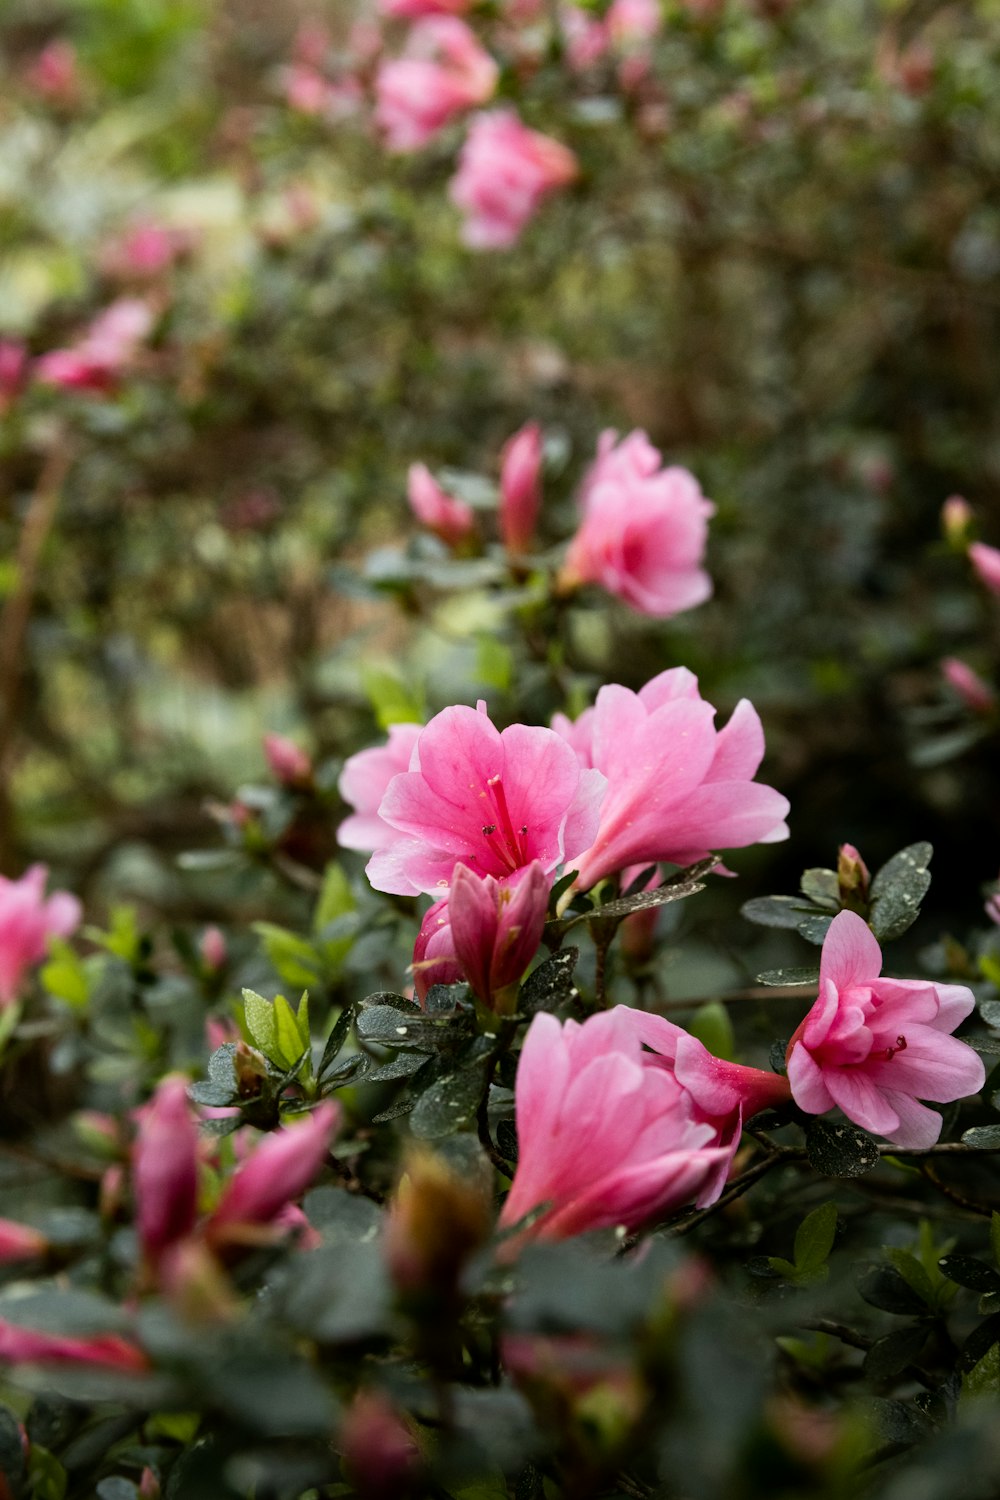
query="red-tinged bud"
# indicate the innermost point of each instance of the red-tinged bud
(434, 960)
(381, 1458)
(450, 519)
(986, 561)
(149, 1485)
(278, 1171)
(111, 1193)
(970, 687)
(54, 75)
(496, 927)
(956, 522)
(13, 371)
(19, 1242)
(287, 762)
(992, 907)
(196, 1284)
(436, 1221)
(520, 489)
(98, 1132)
(213, 950)
(250, 1067)
(165, 1169)
(853, 878)
(28, 1346)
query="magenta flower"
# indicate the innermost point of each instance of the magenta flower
(363, 784)
(415, 9)
(485, 931)
(677, 787)
(520, 488)
(434, 960)
(105, 352)
(27, 921)
(876, 1046)
(490, 800)
(28, 1346)
(165, 1169)
(450, 519)
(986, 561)
(286, 761)
(445, 71)
(606, 1132)
(970, 687)
(278, 1171)
(504, 172)
(643, 532)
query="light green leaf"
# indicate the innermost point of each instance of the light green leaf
(392, 702)
(712, 1026)
(291, 1031)
(65, 976)
(814, 1239)
(260, 1021)
(336, 898)
(295, 959)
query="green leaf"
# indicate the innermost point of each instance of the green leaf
(914, 1273)
(884, 1287)
(982, 1137)
(550, 985)
(814, 1239)
(391, 701)
(714, 1029)
(898, 889)
(995, 1236)
(984, 1378)
(838, 1149)
(894, 1351)
(123, 937)
(294, 959)
(291, 1032)
(65, 975)
(48, 1477)
(776, 911)
(969, 1272)
(260, 1021)
(449, 1104)
(494, 662)
(822, 887)
(336, 898)
(777, 977)
(335, 1041)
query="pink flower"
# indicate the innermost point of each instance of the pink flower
(875, 1046)
(19, 1242)
(27, 921)
(165, 1168)
(55, 73)
(491, 930)
(520, 488)
(26, 1346)
(363, 784)
(632, 22)
(145, 250)
(490, 800)
(278, 1171)
(379, 1451)
(13, 372)
(286, 761)
(986, 561)
(414, 10)
(586, 37)
(103, 354)
(643, 532)
(677, 788)
(504, 172)
(444, 72)
(434, 960)
(213, 951)
(606, 1132)
(970, 687)
(452, 520)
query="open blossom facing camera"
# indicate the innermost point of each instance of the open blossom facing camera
(877, 1046)
(644, 529)
(27, 922)
(678, 788)
(363, 784)
(504, 172)
(445, 71)
(490, 800)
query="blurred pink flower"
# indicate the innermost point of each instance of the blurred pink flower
(606, 1133)
(444, 72)
(504, 172)
(104, 353)
(286, 761)
(970, 687)
(520, 488)
(19, 1242)
(14, 363)
(489, 930)
(450, 519)
(494, 801)
(55, 73)
(278, 1171)
(643, 531)
(27, 921)
(213, 952)
(414, 10)
(986, 561)
(877, 1046)
(677, 787)
(27, 1346)
(363, 783)
(145, 250)
(165, 1168)
(380, 1455)
(585, 37)
(632, 22)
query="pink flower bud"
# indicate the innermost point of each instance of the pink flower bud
(55, 74)
(520, 489)
(413, 10)
(970, 687)
(986, 561)
(165, 1168)
(287, 762)
(149, 1485)
(104, 353)
(143, 252)
(381, 1457)
(436, 1221)
(26, 1346)
(496, 927)
(956, 519)
(434, 960)
(13, 371)
(853, 877)
(452, 520)
(213, 950)
(27, 922)
(992, 907)
(19, 1242)
(504, 172)
(279, 1171)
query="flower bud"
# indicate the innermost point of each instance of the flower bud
(278, 1171)
(496, 927)
(212, 949)
(287, 762)
(970, 687)
(450, 519)
(165, 1169)
(149, 1485)
(436, 1221)
(986, 561)
(19, 1242)
(853, 878)
(520, 489)
(381, 1458)
(956, 519)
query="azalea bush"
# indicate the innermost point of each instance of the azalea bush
(498, 627)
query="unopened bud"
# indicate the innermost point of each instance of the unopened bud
(196, 1284)
(19, 1242)
(250, 1067)
(111, 1193)
(381, 1458)
(213, 949)
(956, 520)
(852, 877)
(287, 762)
(149, 1485)
(970, 687)
(437, 1220)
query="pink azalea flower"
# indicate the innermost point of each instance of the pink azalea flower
(27, 1346)
(19, 1242)
(27, 921)
(986, 561)
(606, 1133)
(213, 952)
(631, 22)
(643, 532)
(877, 1046)
(445, 71)
(380, 1454)
(677, 787)
(450, 519)
(413, 10)
(363, 784)
(489, 929)
(144, 251)
(278, 1171)
(970, 687)
(287, 762)
(520, 488)
(165, 1168)
(504, 172)
(104, 353)
(13, 371)
(55, 73)
(586, 37)
(490, 800)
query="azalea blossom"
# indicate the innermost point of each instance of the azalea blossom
(520, 488)
(450, 519)
(485, 931)
(875, 1047)
(106, 350)
(165, 1168)
(29, 1346)
(677, 787)
(27, 922)
(490, 800)
(969, 686)
(986, 561)
(444, 72)
(363, 783)
(504, 172)
(287, 761)
(279, 1170)
(643, 530)
(434, 960)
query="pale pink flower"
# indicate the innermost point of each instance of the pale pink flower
(28, 1346)
(520, 488)
(286, 761)
(490, 800)
(633, 22)
(491, 930)
(13, 371)
(986, 561)
(643, 530)
(585, 37)
(104, 353)
(19, 1242)
(145, 250)
(27, 922)
(165, 1168)
(278, 1171)
(445, 71)
(970, 687)
(606, 1134)
(434, 960)
(504, 172)
(877, 1046)
(380, 1455)
(363, 784)
(677, 788)
(450, 519)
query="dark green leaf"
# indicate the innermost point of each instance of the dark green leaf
(550, 985)
(446, 999)
(815, 929)
(894, 1351)
(116, 1488)
(776, 911)
(404, 1065)
(897, 1423)
(982, 1137)
(839, 1149)
(990, 1012)
(885, 1288)
(822, 887)
(336, 1039)
(980, 1342)
(898, 889)
(967, 1271)
(449, 1104)
(506, 1134)
(814, 1238)
(389, 1027)
(778, 977)
(777, 1055)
